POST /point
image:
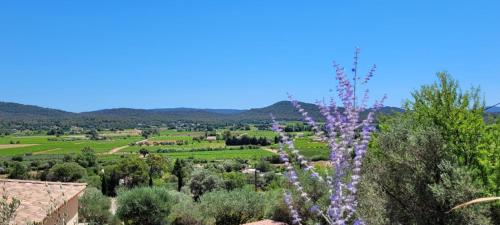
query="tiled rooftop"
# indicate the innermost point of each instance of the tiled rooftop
(36, 197)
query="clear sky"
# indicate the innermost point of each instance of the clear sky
(87, 55)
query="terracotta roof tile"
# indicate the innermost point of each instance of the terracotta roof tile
(36, 197)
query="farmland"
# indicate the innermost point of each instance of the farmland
(180, 144)
(60, 145)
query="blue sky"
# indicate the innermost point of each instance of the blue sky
(87, 55)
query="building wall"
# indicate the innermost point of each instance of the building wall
(68, 213)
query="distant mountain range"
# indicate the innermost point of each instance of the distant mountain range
(282, 110)
(20, 116)
(494, 109)
(29, 116)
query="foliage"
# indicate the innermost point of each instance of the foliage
(66, 172)
(93, 207)
(144, 206)
(93, 134)
(234, 180)
(92, 181)
(143, 152)
(436, 155)
(87, 158)
(202, 181)
(347, 134)
(18, 171)
(146, 133)
(233, 207)
(8, 207)
(185, 211)
(245, 140)
(180, 172)
(157, 166)
(263, 166)
(410, 177)
(458, 117)
(133, 170)
(232, 165)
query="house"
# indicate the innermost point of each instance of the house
(211, 138)
(43, 202)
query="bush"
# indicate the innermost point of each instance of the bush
(234, 207)
(185, 211)
(232, 165)
(234, 180)
(94, 207)
(144, 206)
(92, 181)
(66, 172)
(203, 181)
(316, 158)
(263, 166)
(133, 170)
(17, 158)
(414, 179)
(18, 171)
(87, 158)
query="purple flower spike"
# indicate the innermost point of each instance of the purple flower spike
(347, 136)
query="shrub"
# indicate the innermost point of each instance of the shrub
(232, 165)
(414, 180)
(87, 158)
(316, 158)
(94, 207)
(67, 158)
(184, 211)
(234, 207)
(234, 180)
(203, 181)
(263, 166)
(92, 181)
(133, 170)
(17, 158)
(144, 206)
(348, 134)
(66, 172)
(18, 171)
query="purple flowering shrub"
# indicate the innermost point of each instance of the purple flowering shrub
(347, 136)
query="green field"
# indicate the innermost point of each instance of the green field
(310, 148)
(42, 144)
(257, 133)
(222, 154)
(185, 147)
(51, 147)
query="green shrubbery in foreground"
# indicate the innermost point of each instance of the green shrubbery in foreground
(436, 155)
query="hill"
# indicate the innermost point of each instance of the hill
(494, 109)
(9, 110)
(19, 116)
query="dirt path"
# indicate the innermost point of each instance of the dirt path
(16, 145)
(115, 150)
(113, 206)
(271, 150)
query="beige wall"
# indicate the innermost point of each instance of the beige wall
(70, 210)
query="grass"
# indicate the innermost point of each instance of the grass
(69, 144)
(171, 138)
(187, 147)
(44, 146)
(257, 133)
(310, 148)
(222, 154)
